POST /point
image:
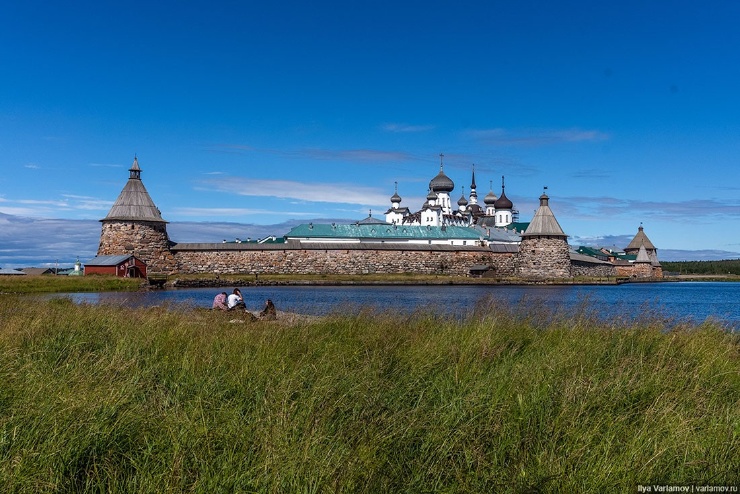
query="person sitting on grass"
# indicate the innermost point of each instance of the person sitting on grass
(236, 300)
(219, 302)
(268, 313)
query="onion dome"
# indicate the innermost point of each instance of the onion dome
(503, 202)
(490, 198)
(395, 197)
(462, 201)
(432, 196)
(441, 183)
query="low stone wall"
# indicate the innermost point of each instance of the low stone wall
(640, 270)
(593, 270)
(340, 261)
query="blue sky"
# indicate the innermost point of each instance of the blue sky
(248, 117)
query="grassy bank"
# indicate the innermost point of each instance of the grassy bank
(108, 399)
(66, 284)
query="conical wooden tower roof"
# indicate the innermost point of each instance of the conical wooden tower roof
(544, 223)
(642, 255)
(640, 240)
(134, 202)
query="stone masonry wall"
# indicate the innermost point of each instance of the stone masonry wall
(640, 270)
(593, 270)
(336, 261)
(147, 240)
(543, 258)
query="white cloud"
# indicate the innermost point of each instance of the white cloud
(33, 241)
(232, 148)
(106, 165)
(88, 203)
(48, 208)
(364, 155)
(285, 189)
(406, 128)
(234, 212)
(610, 207)
(352, 155)
(535, 137)
(30, 212)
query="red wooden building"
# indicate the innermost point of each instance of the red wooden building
(125, 266)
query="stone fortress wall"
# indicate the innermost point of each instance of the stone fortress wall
(149, 241)
(538, 258)
(134, 227)
(250, 259)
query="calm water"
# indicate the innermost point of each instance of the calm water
(673, 301)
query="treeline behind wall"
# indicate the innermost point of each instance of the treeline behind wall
(729, 266)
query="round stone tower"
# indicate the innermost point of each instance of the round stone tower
(544, 252)
(134, 226)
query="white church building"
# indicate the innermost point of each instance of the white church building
(438, 210)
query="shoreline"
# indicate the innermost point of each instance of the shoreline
(218, 283)
(228, 282)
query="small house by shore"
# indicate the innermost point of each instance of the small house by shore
(123, 266)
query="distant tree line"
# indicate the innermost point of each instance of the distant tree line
(729, 266)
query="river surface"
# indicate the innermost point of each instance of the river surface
(675, 301)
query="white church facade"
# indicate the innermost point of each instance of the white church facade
(438, 209)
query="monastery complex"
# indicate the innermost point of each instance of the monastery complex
(468, 240)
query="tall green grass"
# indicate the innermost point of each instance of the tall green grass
(110, 399)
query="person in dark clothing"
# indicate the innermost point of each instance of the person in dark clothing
(269, 313)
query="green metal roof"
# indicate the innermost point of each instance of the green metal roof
(591, 251)
(519, 226)
(383, 231)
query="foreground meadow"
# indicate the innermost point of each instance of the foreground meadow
(111, 399)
